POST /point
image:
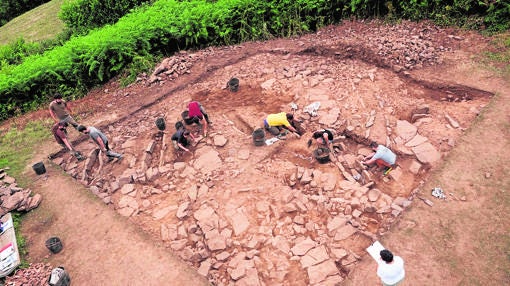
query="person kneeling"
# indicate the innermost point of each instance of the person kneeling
(383, 157)
(182, 140)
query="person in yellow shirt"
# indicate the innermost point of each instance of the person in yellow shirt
(274, 123)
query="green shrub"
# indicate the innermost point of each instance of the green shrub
(80, 16)
(151, 32)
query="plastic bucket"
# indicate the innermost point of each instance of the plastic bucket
(321, 155)
(160, 123)
(54, 244)
(186, 118)
(39, 168)
(233, 84)
(259, 137)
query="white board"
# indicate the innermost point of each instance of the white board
(374, 250)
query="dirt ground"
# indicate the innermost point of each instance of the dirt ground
(370, 80)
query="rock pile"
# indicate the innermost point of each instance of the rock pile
(36, 274)
(15, 198)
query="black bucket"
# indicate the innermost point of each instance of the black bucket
(186, 118)
(259, 137)
(54, 244)
(160, 123)
(39, 168)
(233, 84)
(321, 155)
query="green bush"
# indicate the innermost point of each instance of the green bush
(80, 16)
(150, 32)
(10, 9)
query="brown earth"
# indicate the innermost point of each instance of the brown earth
(361, 73)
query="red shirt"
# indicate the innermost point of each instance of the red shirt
(194, 109)
(58, 133)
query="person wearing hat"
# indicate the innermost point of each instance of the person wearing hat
(60, 110)
(100, 139)
(60, 133)
(390, 269)
(274, 123)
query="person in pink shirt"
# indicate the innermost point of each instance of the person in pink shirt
(197, 113)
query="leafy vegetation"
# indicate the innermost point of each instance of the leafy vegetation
(80, 16)
(28, 76)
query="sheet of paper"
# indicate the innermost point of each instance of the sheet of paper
(374, 249)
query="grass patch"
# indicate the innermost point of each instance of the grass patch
(500, 55)
(16, 150)
(17, 146)
(20, 240)
(41, 23)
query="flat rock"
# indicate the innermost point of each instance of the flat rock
(374, 194)
(405, 130)
(415, 167)
(182, 210)
(303, 247)
(162, 212)
(314, 256)
(318, 273)
(127, 188)
(208, 161)
(345, 232)
(126, 212)
(219, 140)
(240, 222)
(417, 140)
(128, 201)
(426, 153)
(336, 223)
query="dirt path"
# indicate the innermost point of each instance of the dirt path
(462, 241)
(100, 246)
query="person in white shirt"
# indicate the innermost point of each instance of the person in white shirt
(390, 269)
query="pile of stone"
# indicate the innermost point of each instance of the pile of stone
(14, 198)
(35, 274)
(172, 67)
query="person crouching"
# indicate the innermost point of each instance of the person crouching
(101, 140)
(182, 140)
